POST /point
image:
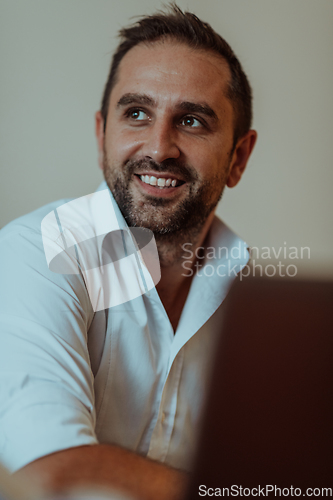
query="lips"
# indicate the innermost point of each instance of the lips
(160, 185)
(161, 182)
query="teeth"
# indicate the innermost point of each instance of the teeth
(160, 182)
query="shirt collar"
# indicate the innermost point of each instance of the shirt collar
(225, 255)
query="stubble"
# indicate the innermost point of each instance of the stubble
(172, 222)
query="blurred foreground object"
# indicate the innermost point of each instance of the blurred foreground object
(269, 415)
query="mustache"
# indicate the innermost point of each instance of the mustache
(172, 166)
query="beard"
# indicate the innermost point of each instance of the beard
(170, 220)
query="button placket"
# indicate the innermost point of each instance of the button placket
(161, 437)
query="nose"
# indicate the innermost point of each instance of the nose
(161, 143)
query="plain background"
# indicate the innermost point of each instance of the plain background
(55, 57)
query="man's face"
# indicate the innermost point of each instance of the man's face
(168, 141)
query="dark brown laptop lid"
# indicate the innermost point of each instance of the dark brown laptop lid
(269, 415)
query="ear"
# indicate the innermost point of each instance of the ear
(99, 132)
(240, 157)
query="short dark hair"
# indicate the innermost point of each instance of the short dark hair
(189, 29)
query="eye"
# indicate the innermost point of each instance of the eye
(136, 114)
(190, 121)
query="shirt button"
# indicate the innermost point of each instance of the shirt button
(163, 417)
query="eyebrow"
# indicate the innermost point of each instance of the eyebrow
(135, 99)
(186, 106)
(193, 107)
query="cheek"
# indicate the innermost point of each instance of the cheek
(202, 159)
(121, 145)
(217, 158)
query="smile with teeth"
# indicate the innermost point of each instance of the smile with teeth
(160, 182)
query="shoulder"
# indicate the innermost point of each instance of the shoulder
(28, 287)
(29, 223)
(21, 240)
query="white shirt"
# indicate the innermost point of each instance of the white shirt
(71, 375)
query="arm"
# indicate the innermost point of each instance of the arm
(107, 466)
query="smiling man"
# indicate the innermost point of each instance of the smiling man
(167, 137)
(114, 397)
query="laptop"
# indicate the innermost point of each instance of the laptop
(269, 414)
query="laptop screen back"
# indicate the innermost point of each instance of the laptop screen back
(269, 415)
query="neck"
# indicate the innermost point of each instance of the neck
(175, 281)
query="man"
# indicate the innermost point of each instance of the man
(113, 397)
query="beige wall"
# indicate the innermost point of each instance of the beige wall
(54, 61)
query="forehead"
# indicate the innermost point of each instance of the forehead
(172, 71)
